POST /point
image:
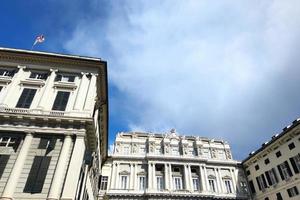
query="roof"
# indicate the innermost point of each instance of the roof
(274, 138)
(50, 54)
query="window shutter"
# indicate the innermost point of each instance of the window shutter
(259, 187)
(26, 98)
(288, 168)
(3, 161)
(268, 178)
(294, 165)
(280, 172)
(33, 174)
(42, 173)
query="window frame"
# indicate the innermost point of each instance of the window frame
(177, 182)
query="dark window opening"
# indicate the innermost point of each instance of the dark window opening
(267, 161)
(256, 167)
(278, 195)
(61, 101)
(38, 75)
(37, 174)
(291, 146)
(252, 188)
(3, 161)
(26, 98)
(278, 154)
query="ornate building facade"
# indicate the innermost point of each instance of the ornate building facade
(53, 125)
(169, 166)
(273, 171)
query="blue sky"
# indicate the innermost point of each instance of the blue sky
(221, 69)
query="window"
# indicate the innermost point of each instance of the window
(221, 154)
(160, 183)
(104, 180)
(196, 185)
(124, 182)
(126, 150)
(295, 161)
(248, 172)
(284, 170)
(278, 195)
(177, 183)
(26, 98)
(228, 186)
(142, 183)
(267, 198)
(256, 167)
(158, 150)
(47, 143)
(8, 141)
(212, 185)
(291, 146)
(142, 149)
(1, 88)
(243, 186)
(252, 188)
(37, 174)
(65, 78)
(267, 161)
(293, 191)
(271, 176)
(175, 151)
(278, 154)
(206, 153)
(261, 182)
(5, 72)
(38, 75)
(3, 161)
(61, 101)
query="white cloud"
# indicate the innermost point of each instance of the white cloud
(203, 68)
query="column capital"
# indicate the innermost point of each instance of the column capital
(29, 132)
(21, 66)
(53, 70)
(84, 73)
(94, 74)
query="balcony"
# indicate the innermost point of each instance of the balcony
(5, 79)
(51, 113)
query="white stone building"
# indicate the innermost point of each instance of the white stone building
(53, 125)
(273, 170)
(169, 166)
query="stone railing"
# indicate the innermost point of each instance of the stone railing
(54, 113)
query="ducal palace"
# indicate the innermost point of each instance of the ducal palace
(54, 144)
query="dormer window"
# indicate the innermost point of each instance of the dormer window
(38, 75)
(65, 78)
(8, 73)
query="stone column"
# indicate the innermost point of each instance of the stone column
(191, 178)
(153, 177)
(206, 178)
(17, 169)
(135, 177)
(58, 177)
(13, 86)
(186, 178)
(70, 185)
(166, 177)
(170, 177)
(234, 183)
(131, 182)
(44, 100)
(150, 176)
(113, 176)
(117, 186)
(90, 97)
(219, 180)
(82, 90)
(202, 179)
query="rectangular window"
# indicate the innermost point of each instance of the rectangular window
(177, 183)
(293, 191)
(261, 182)
(291, 146)
(271, 176)
(278, 154)
(267, 161)
(37, 174)
(212, 186)
(158, 150)
(278, 195)
(5, 72)
(26, 98)
(175, 151)
(256, 167)
(61, 101)
(104, 180)
(252, 188)
(38, 75)
(126, 150)
(142, 183)
(3, 161)
(295, 161)
(228, 186)
(160, 183)
(284, 170)
(65, 78)
(9, 141)
(124, 184)
(196, 185)
(142, 149)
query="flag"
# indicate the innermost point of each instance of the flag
(39, 39)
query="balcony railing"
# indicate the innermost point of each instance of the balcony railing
(55, 113)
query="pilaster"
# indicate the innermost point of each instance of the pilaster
(90, 97)
(166, 177)
(83, 88)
